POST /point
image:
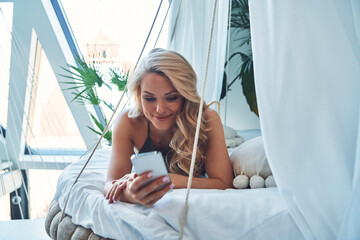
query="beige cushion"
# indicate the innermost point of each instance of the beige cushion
(81, 233)
(250, 159)
(54, 209)
(66, 229)
(54, 225)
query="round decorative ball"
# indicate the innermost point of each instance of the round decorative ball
(257, 182)
(241, 181)
(270, 181)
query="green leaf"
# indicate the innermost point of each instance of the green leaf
(240, 23)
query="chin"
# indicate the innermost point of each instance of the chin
(163, 125)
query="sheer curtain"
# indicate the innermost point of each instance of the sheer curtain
(307, 74)
(189, 33)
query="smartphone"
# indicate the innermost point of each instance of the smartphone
(150, 161)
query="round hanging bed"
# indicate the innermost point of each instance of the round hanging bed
(212, 214)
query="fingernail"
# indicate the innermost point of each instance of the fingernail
(113, 198)
(165, 179)
(172, 185)
(149, 175)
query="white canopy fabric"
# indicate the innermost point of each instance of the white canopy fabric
(307, 75)
(189, 34)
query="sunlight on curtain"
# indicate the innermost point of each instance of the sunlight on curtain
(307, 71)
(189, 33)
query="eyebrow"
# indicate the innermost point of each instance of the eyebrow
(174, 91)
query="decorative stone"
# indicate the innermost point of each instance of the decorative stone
(257, 182)
(241, 181)
(270, 181)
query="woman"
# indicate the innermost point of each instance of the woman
(164, 119)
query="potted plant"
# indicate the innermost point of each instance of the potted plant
(240, 22)
(87, 79)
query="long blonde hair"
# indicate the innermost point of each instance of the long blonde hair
(180, 73)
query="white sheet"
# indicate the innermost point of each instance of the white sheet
(213, 214)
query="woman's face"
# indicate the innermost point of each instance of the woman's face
(160, 101)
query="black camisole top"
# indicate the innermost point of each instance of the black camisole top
(148, 146)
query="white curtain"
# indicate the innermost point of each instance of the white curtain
(307, 76)
(189, 33)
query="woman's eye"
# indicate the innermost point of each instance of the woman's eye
(172, 99)
(149, 99)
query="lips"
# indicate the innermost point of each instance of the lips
(162, 118)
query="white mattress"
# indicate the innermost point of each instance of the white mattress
(213, 214)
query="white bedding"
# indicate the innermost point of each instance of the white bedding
(213, 214)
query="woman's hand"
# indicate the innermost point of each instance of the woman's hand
(117, 187)
(148, 195)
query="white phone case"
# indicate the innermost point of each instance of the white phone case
(150, 161)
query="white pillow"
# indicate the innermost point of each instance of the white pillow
(232, 139)
(250, 159)
(229, 132)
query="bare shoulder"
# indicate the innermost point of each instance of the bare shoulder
(125, 124)
(213, 118)
(214, 124)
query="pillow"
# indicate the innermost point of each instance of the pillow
(232, 139)
(249, 159)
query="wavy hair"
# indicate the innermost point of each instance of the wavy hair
(179, 72)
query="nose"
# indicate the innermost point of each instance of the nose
(160, 107)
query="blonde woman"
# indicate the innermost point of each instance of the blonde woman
(164, 119)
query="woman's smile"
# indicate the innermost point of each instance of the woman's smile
(162, 118)
(160, 101)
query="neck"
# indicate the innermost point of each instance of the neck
(160, 136)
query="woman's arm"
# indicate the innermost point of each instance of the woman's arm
(121, 151)
(120, 183)
(217, 162)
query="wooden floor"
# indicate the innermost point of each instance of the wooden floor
(23, 229)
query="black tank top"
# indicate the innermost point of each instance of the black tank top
(148, 146)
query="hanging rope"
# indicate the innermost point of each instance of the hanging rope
(147, 38)
(227, 60)
(197, 127)
(162, 25)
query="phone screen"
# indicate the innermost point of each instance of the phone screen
(150, 161)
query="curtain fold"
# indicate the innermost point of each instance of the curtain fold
(307, 76)
(189, 33)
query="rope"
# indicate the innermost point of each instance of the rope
(162, 25)
(227, 60)
(147, 38)
(197, 128)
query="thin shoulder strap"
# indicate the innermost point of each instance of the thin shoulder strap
(148, 128)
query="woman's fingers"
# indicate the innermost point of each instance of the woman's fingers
(155, 196)
(153, 190)
(136, 191)
(138, 181)
(110, 194)
(118, 189)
